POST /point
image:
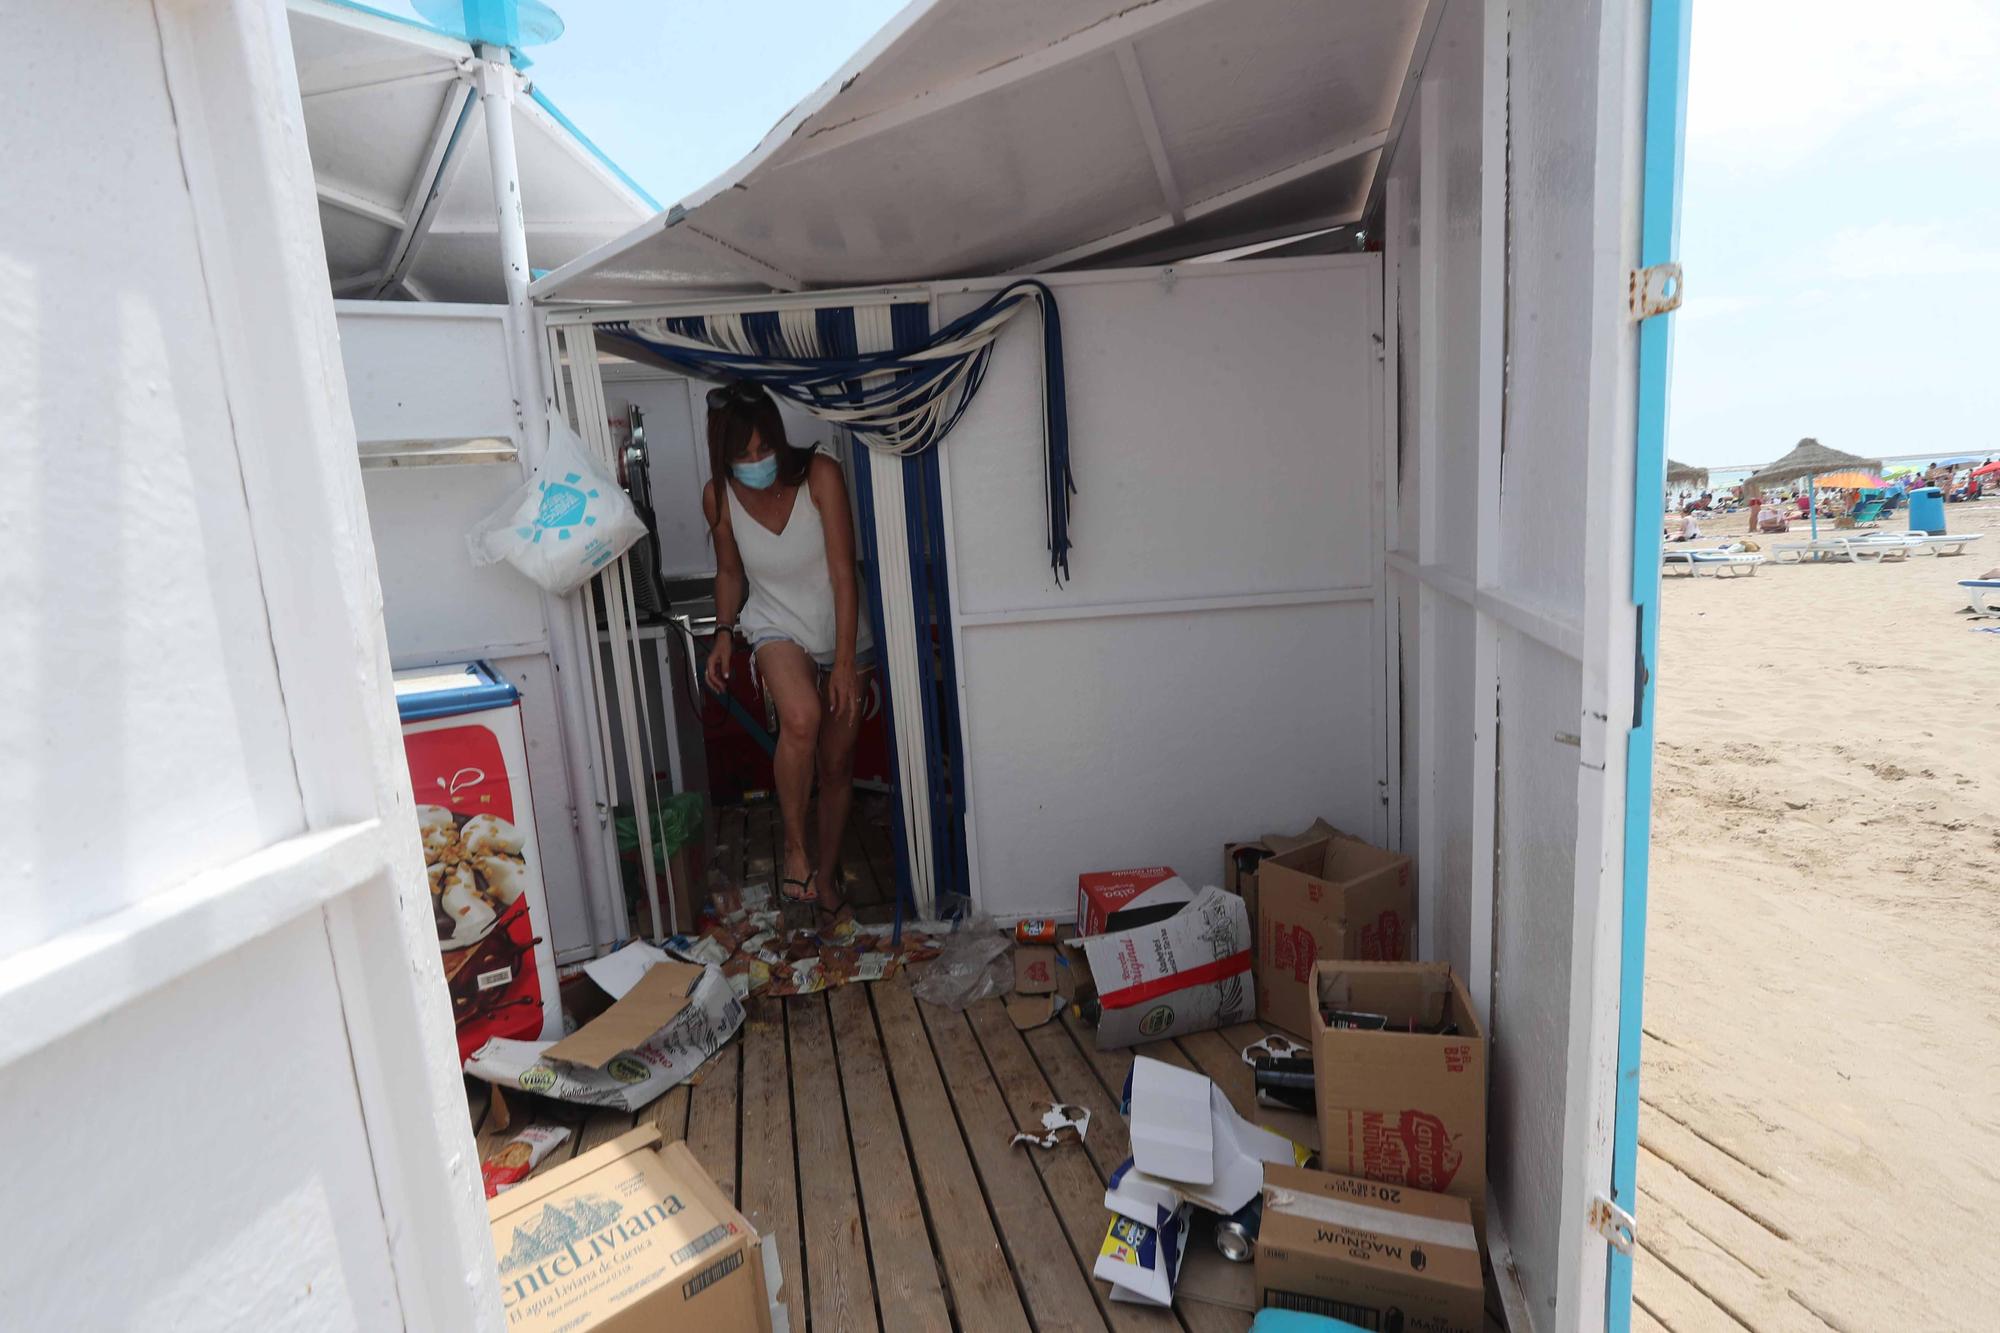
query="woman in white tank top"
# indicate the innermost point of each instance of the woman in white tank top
(785, 581)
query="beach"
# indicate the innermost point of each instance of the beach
(1820, 1116)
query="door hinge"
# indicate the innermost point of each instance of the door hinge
(1613, 1223)
(1653, 291)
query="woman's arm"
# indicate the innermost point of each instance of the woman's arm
(829, 493)
(731, 587)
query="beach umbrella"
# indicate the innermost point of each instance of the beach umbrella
(1809, 460)
(1678, 473)
(1986, 471)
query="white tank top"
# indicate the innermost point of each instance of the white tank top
(791, 587)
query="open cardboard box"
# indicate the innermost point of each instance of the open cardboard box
(627, 1237)
(1336, 897)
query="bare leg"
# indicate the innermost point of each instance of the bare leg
(788, 674)
(836, 794)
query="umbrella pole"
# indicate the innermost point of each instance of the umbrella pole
(1812, 505)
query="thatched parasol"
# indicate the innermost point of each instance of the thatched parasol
(1688, 472)
(1810, 459)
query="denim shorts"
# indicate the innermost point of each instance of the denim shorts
(824, 661)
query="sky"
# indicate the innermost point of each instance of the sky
(1840, 226)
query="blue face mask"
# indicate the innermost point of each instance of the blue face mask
(759, 475)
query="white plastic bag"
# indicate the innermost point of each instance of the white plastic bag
(564, 524)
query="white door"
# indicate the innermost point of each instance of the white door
(227, 1082)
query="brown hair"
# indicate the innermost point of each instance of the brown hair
(746, 410)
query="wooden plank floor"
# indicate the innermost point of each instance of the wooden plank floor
(869, 1132)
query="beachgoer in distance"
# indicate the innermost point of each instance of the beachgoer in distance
(785, 581)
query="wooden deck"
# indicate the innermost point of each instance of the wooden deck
(869, 1132)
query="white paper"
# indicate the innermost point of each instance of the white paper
(1172, 1132)
(617, 973)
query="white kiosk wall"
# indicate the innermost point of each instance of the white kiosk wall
(1212, 670)
(428, 372)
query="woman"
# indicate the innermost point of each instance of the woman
(785, 581)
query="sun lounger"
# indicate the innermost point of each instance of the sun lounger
(1943, 543)
(1985, 593)
(1867, 548)
(1715, 561)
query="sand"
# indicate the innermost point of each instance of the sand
(1820, 1120)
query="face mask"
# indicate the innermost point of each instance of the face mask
(759, 475)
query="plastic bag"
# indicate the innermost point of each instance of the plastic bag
(564, 524)
(972, 966)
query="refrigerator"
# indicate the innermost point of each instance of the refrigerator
(468, 762)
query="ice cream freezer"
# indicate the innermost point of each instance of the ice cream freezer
(467, 755)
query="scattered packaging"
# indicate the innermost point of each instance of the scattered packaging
(1376, 1255)
(509, 1164)
(1242, 860)
(973, 965)
(1120, 899)
(1404, 1105)
(1335, 898)
(1031, 1011)
(1187, 973)
(1142, 1259)
(627, 1237)
(1187, 1138)
(1058, 1117)
(1035, 969)
(667, 1018)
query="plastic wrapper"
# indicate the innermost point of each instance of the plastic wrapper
(567, 522)
(973, 965)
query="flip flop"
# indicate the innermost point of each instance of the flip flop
(806, 894)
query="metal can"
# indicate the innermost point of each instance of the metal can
(1034, 931)
(1236, 1234)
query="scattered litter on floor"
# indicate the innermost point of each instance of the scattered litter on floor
(1277, 1046)
(972, 965)
(509, 1164)
(745, 935)
(1058, 1117)
(1031, 1011)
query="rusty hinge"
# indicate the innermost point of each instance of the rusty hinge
(1653, 291)
(1613, 1223)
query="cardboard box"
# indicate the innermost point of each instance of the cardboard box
(1188, 973)
(1337, 898)
(1397, 1106)
(625, 1238)
(664, 1019)
(1109, 900)
(1243, 881)
(1376, 1255)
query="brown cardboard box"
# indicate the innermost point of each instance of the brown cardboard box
(1337, 898)
(1243, 883)
(627, 1238)
(1376, 1255)
(1403, 1107)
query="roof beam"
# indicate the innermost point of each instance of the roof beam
(440, 166)
(1243, 193)
(358, 282)
(768, 274)
(1099, 37)
(1149, 129)
(349, 202)
(1413, 73)
(404, 79)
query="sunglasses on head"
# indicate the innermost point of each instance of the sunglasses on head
(743, 391)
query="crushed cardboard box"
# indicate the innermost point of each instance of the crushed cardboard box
(1141, 1256)
(1035, 969)
(627, 1237)
(1188, 1139)
(1376, 1255)
(666, 1018)
(1242, 860)
(1405, 1105)
(1120, 899)
(1337, 897)
(1186, 973)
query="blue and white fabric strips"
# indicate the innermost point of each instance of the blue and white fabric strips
(896, 402)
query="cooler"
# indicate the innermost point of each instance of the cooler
(1927, 510)
(468, 765)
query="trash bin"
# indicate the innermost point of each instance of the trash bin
(1927, 510)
